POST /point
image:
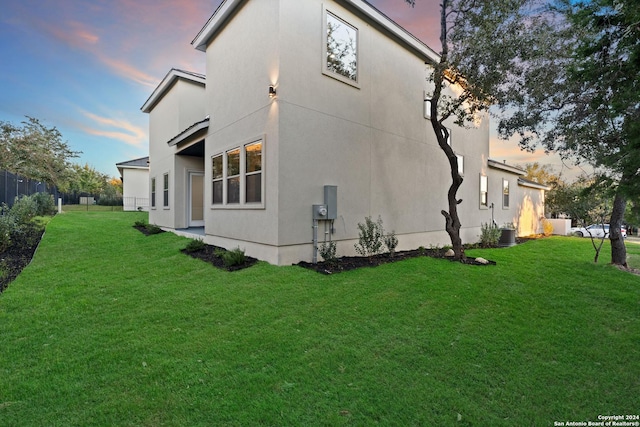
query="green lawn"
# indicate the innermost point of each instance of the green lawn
(109, 327)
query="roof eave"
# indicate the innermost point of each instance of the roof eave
(172, 76)
(228, 7)
(189, 132)
(505, 167)
(526, 183)
(217, 20)
(429, 55)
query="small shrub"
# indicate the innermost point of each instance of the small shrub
(422, 250)
(328, 251)
(7, 227)
(140, 223)
(233, 257)
(547, 227)
(391, 242)
(153, 229)
(45, 205)
(195, 245)
(489, 235)
(371, 237)
(23, 210)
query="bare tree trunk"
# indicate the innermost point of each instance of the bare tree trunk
(618, 249)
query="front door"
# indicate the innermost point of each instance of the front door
(196, 199)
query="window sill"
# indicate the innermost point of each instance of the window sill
(246, 206)
(341, 79)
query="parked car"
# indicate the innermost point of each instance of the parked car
(594, 230)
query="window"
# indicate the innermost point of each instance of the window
(484, 186)
(253, 180)
(165, 190)
(341, 49)
(233, 176)
(460, 164)
(217, 179)
(237, 175)
(153, 192)
(505, 194)
(427, 108)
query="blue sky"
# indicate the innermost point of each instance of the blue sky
(86, 67)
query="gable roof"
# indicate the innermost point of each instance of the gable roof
(167, 82)
(225, 11)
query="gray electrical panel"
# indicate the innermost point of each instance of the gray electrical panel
(331, 201)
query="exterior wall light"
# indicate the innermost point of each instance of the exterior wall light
(272, 91)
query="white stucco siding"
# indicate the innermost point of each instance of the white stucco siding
(242, 61)
(135, 188)
(372, 141)
(180, 107)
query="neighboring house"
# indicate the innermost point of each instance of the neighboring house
(302, 98)
(135, 184)
(515, 200)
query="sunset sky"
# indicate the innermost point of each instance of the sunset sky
(86, 67)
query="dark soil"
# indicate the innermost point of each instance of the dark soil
(208, 254)
(148, 231)
(19, 254)
(352, 263)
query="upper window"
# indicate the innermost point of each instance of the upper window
(484, 191)
(341, 49)
(237, 175)
(505, 194)
(427, 108)
(460, 164)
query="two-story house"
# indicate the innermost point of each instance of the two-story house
(303, 98)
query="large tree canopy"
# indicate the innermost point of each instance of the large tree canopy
(34, 151)
(583, 99)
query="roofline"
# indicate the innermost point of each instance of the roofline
(395, 29)
(133, 160)
(169, 79)
(188, 132)
(505, 167)
(228, 7)
(215, 22)
(527, 183)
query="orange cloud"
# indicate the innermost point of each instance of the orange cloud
(121, 130)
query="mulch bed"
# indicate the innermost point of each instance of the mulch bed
(147, 231)
(352, 263)
(18, 255)
(208, 254)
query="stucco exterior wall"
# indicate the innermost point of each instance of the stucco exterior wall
(526, 204)
(135, 188)
(242, 61)
(182, 106)
(371, 141)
